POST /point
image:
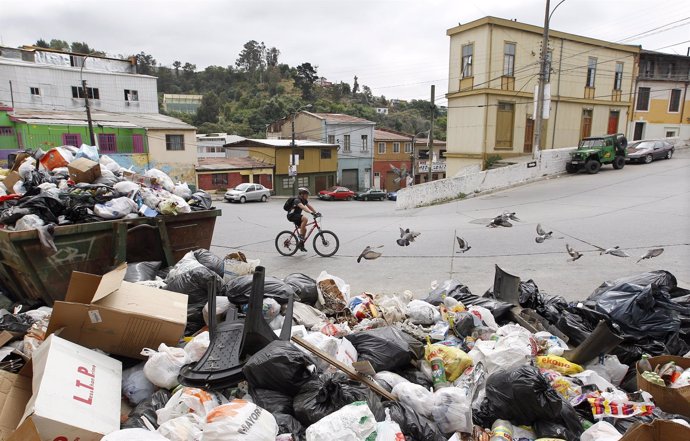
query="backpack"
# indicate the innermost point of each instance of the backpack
(289, 203)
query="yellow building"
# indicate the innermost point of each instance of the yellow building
(493, 75)
(662, 108)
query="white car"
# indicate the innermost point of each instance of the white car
(248, 192)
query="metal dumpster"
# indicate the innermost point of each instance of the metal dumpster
(30, 274)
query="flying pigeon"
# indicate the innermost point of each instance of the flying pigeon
(401, 172)
(369, 254)
(542, 235)
(574, 254)
(511, 216)
(406, 236)
(500, 221)
(615, 251)
(463, 244)
(654, 252)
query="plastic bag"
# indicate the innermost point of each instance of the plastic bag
(422, 313)
(116, 208)
(134, 435)
(183, 428)
(26, 167)
(455, 360)
(327, 344)
(415, 396)
(234, 268)
(239, 420)
(601, 431)
(135, 386)
(182, 190)
(162, 178)
(87, 151)
(190, 400)
(346, 354)
(288, 424)
(280, 366)
(28, 222)
(385, 348)
(413, 425)
(144, 415)
(167, 207)
(609, 368)
(181, 206)
(354, 422)
(421, 376)
(19, 323)
(197, 347)
(240, 288)
(333, 292)
(273, 401)
(304, 286)
(222, 306)
(126, 187)
(109, 164)
(330, 392)
(142, 271)
(201, 201)
(558, 364)
(448, 288)
(389, 430)
(452, 410)
(163, 367)
(194, 283)
(392, 306)
(509, 352)
(389, 379)
(306, 315)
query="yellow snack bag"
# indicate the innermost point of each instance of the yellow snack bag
(455, 360)
(558, 364)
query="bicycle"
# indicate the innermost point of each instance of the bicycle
(325, 243)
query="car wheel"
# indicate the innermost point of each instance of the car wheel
(349, 198)
(243, 200)
(264, 198)
(669, 154)
(592, 166)
(619, 162)
(570, 168)
(648, 159)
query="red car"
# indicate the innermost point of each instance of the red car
(337, 193)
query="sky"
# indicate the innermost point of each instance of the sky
(398, 48)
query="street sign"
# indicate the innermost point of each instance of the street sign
(292, 170)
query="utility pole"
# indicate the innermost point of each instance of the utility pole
(430, 139)
(539, 111)
(293, 162)
(11, 94)
(88, 112)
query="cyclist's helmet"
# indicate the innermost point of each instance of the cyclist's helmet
(303, 190)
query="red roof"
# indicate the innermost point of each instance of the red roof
(385, 135)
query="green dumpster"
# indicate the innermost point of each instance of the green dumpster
(29, 273)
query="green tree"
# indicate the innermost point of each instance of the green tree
(305, 77)
(60, 45)
(272, 57)
(177, 65)
(251, 59)
(42, 43)
(355, 87)
(208, 110)
(146, 64)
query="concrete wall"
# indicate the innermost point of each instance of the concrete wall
(552, 163)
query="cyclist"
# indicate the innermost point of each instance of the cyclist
(301, 202)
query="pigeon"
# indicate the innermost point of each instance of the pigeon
(400, 172)
(615, 251)
(542, 235)
(574, 254)
(406, 236)
(463, 244)
(511, 216)
(500, 221)
(369, 254)
(654, 252)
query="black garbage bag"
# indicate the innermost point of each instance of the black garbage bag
(662, 279)
(385, 348)
(194, 283)
(210, 261)
(19, 323)
(623, 424)
(549, 429)
(414, 375)
(304, 286)
(142, 271)
(416, 346)
(415, 427)
(46, 207)
(464, 324)
(448, 288)
(330, 392)
(200, 201)
(281, 367)
(239, 289)
(547, 306)
(524, 396)
(498, 308)
(289, 424)
(147, 410)
(578, 322)
(272, 400)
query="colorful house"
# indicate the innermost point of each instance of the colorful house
(225, 173)
(392, 156)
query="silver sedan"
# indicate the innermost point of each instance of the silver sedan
(248, 192)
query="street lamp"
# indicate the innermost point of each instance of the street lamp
(292, 167)
(412, 156)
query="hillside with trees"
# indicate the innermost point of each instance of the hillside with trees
(258, 89)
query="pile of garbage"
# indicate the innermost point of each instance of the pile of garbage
(299, 358)
(66, 185)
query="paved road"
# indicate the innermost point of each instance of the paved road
(639, 207)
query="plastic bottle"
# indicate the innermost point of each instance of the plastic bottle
(438, 373)
(501, 430)
(644, 363)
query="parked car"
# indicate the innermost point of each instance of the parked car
(647, 151)
(371, 194)
(248, 192)
(392, 195)
(336, 193)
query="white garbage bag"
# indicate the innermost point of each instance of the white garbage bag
(452, 410)
(184, 428)
(196, 348)
(163, 367)
(116, 208)
(601, 431)
(354, 422)
(388, 430)
(162, 178)
(239, 420)
(415, 396)
(422, 313)
(134, 435)
(135, 386)
(190, 400)
(182, 190)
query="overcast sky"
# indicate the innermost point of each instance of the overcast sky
(396, 47)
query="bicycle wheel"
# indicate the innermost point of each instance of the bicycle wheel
(326, 243)
(286, 243)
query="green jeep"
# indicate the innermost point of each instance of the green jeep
(597, 150)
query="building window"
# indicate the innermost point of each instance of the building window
(303, 181)
(642, 99)
(591, 71)
(467, 60)
(331, 139)
(408, 147)
(586, 129)
(131, 95)
(382, 148)
(509, 59)
(78, 92)
(219, 179)
(35, 91)
(174, 142)
(325, 153)
(6, 131)
(76, 61)
(73, 139)
(618, 78)
(300, 153)
(649, 68)
(365, 143)
(396, 147)
(669, 70)
(107, 143)
(346, 142)
(287, 183)
(674, 102)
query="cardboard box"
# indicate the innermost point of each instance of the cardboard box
(68, 392)
(84, 170)
(658, 430)
(54, 158)
(118, 317)
(11, 179)
(672, 400)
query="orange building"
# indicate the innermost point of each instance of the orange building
(392, 152)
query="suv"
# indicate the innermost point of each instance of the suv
(597, 150)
